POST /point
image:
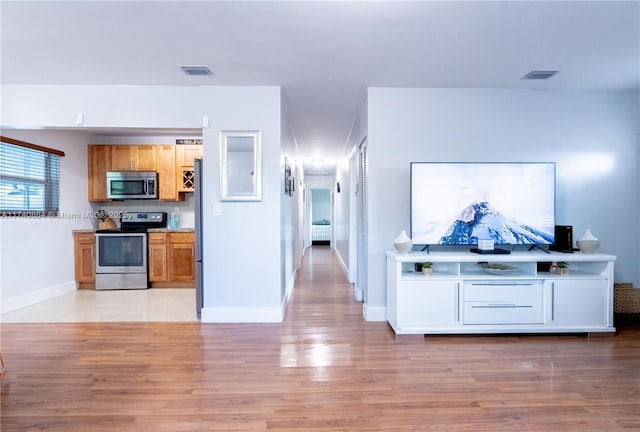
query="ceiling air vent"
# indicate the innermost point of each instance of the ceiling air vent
(196, 70)
(539, 75)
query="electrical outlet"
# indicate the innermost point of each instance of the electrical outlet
(217, 209)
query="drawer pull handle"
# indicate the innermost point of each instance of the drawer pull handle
(501, 306)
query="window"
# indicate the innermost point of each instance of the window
(29, 179)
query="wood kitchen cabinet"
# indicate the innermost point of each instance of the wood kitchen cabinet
(173, 163)
(185, 155)
(134, 158)
(172, 259)
(167, 185)
(85, 259)
(182, 257)
(103, 158)
(158, 261)
(99, 163)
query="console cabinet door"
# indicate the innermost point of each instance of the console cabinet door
(429, 303)
(578, 302)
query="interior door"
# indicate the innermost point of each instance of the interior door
(361, 278)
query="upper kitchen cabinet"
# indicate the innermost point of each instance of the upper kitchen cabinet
(185, 155)
(134, 158)
(167, 189)
(98, 167)
(173, 163)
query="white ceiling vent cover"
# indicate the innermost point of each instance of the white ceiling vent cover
(540, 75)
(196, 70)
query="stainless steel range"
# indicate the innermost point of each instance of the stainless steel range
(121, 254)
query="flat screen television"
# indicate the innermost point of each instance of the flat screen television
(458, 203)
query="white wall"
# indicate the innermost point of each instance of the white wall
(593, 138)
(320, 181)
(241, 255)
(341, 219)
(241, 246)
(37, 253)
(291, 241)
(347, 240)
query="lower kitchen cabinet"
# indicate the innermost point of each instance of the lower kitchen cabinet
(158, 262)
(172, 259)
(85, 259)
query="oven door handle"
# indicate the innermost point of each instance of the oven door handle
(144, 187)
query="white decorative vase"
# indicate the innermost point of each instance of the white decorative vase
(403, 243)
(588, 243)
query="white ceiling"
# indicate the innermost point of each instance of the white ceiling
(324, 54)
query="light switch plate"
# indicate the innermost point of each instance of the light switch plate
(217, 209)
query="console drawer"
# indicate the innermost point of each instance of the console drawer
(503, 303)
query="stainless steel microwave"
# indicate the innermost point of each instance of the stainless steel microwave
(132, 185)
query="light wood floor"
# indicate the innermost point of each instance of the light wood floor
(324, 369)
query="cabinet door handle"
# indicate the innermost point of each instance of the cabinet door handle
(553, 292)
(457, 301)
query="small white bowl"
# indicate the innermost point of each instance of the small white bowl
(403, 247)
(588, 246)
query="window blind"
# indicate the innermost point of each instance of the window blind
(29, 179)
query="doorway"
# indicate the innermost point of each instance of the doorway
(321, 216)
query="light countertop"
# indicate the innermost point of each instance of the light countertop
(187, 230)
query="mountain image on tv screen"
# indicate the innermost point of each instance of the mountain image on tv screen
(481, 221)
(459, 203)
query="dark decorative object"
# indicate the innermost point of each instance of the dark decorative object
(288, 179)
(188, 179)
(197, 141)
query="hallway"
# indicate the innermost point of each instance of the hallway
(322, 292)
(323, 370)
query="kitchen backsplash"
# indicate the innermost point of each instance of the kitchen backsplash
(187, 215)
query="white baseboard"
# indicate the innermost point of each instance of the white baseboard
(241, 315)
(28, 299)
(374, 313)
(345, 270)
(289, 289)
(357, 293)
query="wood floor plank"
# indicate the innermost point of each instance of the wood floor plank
(323, 369)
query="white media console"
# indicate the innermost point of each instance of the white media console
(461, 297)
